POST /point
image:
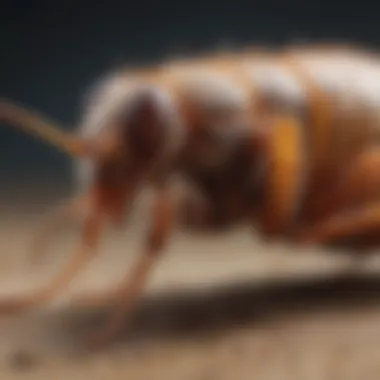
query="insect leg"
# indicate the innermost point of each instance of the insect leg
(364, 220)
(359, 183)
(352, 208)
(129, 290)
(56, 218)
(90, 239)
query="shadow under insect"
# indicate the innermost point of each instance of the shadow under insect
(197, 315)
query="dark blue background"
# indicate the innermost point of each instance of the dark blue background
(51, 50)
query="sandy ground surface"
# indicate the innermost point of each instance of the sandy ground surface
(217, 307)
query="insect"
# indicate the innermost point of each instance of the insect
(278, 139)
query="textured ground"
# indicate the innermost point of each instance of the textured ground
(217, 308)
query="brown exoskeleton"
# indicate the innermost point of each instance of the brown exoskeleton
(281, 141)
(139, 129)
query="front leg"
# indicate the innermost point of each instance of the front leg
(126, 294)
(90, 238)
(57, 217)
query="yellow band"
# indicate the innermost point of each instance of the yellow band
(285, 176)
(320, 126)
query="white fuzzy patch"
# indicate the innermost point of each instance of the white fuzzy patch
(351, 81)
(104, 100)
(276, 83)
(366, 78)
(348, 79)
(116, 91)
(210, 90)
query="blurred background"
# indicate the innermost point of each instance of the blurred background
(321, 325)
(52, 51)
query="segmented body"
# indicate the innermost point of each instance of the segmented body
(335, 95)
(286, 140)
(222, 99)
